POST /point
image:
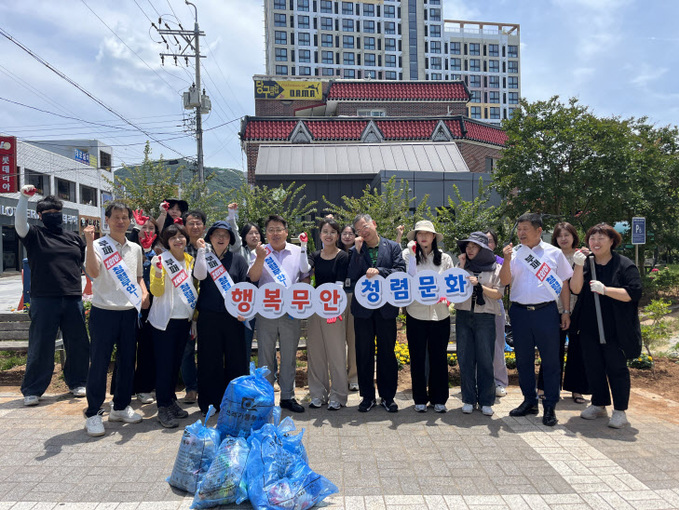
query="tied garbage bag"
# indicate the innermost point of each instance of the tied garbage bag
(280, 479)
(283, 433)
(224, 482)
(247, 404)
(196, 451)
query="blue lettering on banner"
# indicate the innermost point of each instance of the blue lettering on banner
(186, 290)
(400, 288)
(372, 289)
(125, 280)
(427, 286)
(553, 284)
(456, 284)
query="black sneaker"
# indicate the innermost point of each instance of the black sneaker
(366, 405)
(292, 405)
(389, 405)
(166, 418)
(177, 411)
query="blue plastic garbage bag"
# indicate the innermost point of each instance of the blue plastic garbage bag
(225, 483)
(284, 433)
(197, 449)
(279, 479)
(247, 404)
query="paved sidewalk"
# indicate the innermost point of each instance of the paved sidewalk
(378, 460)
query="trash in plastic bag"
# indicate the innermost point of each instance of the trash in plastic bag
(280, 479)
(247, 404)
(224, 482)
(283, 431)
(197, 449)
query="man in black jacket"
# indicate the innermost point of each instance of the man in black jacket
(373, 255)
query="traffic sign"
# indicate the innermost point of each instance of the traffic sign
(638, 230)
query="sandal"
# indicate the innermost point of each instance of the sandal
(578, 399)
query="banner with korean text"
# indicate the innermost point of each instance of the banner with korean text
(8, 164)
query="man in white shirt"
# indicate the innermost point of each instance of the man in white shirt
(538, 274)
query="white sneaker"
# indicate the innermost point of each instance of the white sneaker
(316, 403)
(31, 400)
(592, 412)
(618, 420)
(145, 398)
(353, 386)
(420, 408)
(467, 408)
(487, 410)
(440, 408)
(500, 391)
(127, 415)
(95, 426)
(334, 405)
(79, 392)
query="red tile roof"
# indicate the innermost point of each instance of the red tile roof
(398, 91)
(351, 129)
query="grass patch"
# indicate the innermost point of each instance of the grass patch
(10, 359)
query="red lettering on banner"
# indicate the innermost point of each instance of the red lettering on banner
(301, 299)
(273, 299)
(112, 260)
(217, 272)
(179, 278)
(330, 300)
(543, 272)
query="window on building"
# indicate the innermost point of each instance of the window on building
(475, 65)
(327, 57)
(279, 20)
(370, 74)
(282, 70)
(348, 41)
(347, 7)
(390, 44)
(368, 43)
(302, 21)
(475, 112)
(280, 37)
(513, 82)
(88, 195)
(493, 50)
(326, 23)
(327, 71)
(390, 60)
(389, 27)
(369, 59)
(495, 112)
(474, 80)
(389, 75)
(347, 25)
(326, 40)
(65, 189)
(305, 56)
(513, 51)
(512, 66)
(475, 96)
(510, 112)
(435, 63)
(365, 112)
(326, 6)
(304, 71)
(304, 39)
(435, 47)
(281, 54)
(494, 97)
(435, 30)
(456, 64)
(513, 98)
(434, 2)
(436, 76)
(280, 4)
(303, 5)
(105, 160)
(456, 77)
(369, 26)
(494, 66)
(494, 82)
(368, 10)
(349, 59)
(454, 48)
(389, 11)
(39, 180)
(435, 14)
(474, 48)
(349, 73)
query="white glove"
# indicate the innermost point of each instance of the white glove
(28, 190)
(598, 287)
(194, 329)
(579, 258)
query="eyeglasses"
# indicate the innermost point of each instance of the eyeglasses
(363, 228)
(275, 230)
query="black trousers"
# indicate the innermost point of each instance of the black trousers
(222, 356)
(574, 376)
(428, 337)
(605, 365)
(387, 368)
(145, 371)
(168, 348)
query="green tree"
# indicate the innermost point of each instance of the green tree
(389, 208)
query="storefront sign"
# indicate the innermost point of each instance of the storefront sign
(82, 156)
(8, 168)
(90, 220)
(290, 90)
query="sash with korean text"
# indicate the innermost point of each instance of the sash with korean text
(116, 267)
(219, 274)
(274, 269)
(541, 270)
(180, 279)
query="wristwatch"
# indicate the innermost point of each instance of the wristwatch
(566, 312)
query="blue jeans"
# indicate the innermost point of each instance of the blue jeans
(48, 314)
(109, 328)
(189, 370)
(475, 334)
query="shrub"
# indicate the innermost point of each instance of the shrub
(644, 362)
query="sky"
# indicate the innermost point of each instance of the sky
(619, 57)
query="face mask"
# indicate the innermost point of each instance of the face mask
(52, 221)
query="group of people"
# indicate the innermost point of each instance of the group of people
(156, 301)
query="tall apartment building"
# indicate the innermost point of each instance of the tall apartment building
(395, 40)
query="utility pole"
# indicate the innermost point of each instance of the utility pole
(193, 99)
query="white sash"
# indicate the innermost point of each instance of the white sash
(219, 274)
(180, 279)
(541, 270)
(274, 268)
(116, 267)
